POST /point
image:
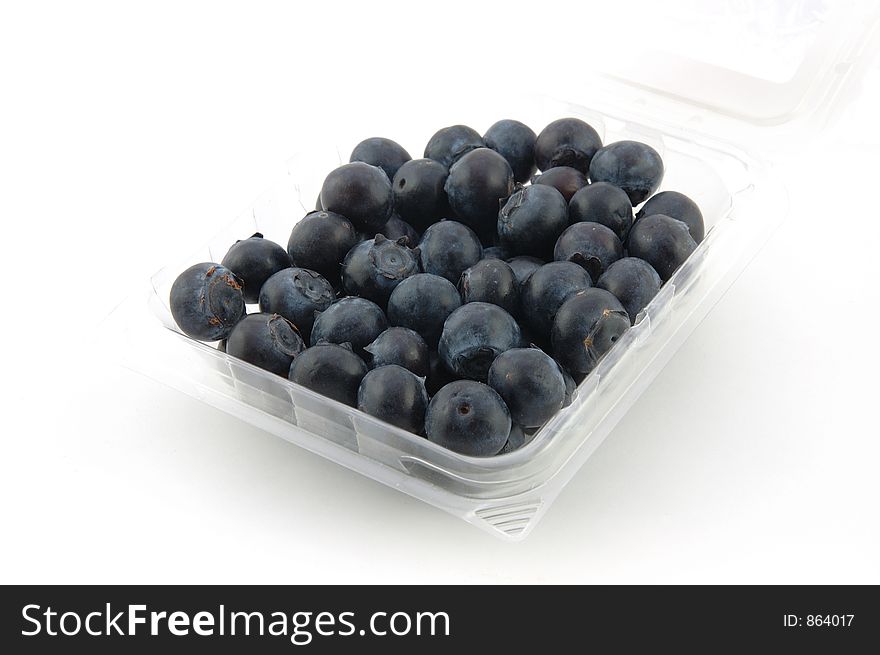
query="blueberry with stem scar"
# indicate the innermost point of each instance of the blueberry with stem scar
(469, 418)
(269, 341)
(206, 301)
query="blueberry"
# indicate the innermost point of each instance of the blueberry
(661, 241)
(529, 382)
(206, 301)
(564, 179)
(438, 375)
(357, 321)
(320, 241)
(422, 303)
(447, 248)
(419, 193)
(515, 440)
(395, 395)
(629, 165)
(515, 142)
(361, 193)
(523, 267)
(396, 228)
(633, 282)
(593, 246)
(567, 142)
(477, 185)
(331, 370)
(545, 291)
(401, 346)
(384, 153)
(318, 205)
(474, 335)
(469, 418)
(570, 386)
(253, 261)
(585, 328)
(449, 144)
(496, 252)
(603, 203)
(296, 294)
(373, 268)
(269, 341)
(491, 281)
(678, 206)
(532, 219)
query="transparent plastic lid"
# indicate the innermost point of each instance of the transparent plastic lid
(746, 63)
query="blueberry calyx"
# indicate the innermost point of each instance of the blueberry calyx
(304, 282)
(591, 264)
(211, 296)
(280, 335)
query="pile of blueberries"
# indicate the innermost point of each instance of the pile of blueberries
(459, 296)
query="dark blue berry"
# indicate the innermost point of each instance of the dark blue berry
(419, 193)
(515, 142)
(603, 203)
(678, 206)
(395, 395)
(296, 294)
(530, 383)
(531, 220)
(570, 386)
(629, 165)
(661, 241)
(474, 335)
(491, 281)
(545, 291)
(361, 193)
(253, 261)
(373, 268)
(447, 248)
(568, 181)
(400, 346)
(320, 241)
(331, 370)
(451, 143)
(422, 303)
(384, 153)
(469, 418)
(586, 326)
(592, 245)
(477, 185)
(206, 301)
(357, 321)
(567, 142)
(269, 341)
(633, 282)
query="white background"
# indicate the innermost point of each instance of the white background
(126, 130)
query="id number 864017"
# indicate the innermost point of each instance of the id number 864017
(819, 620)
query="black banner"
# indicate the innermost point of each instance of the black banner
(434, 619)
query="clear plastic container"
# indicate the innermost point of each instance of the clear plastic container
(507, 494)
